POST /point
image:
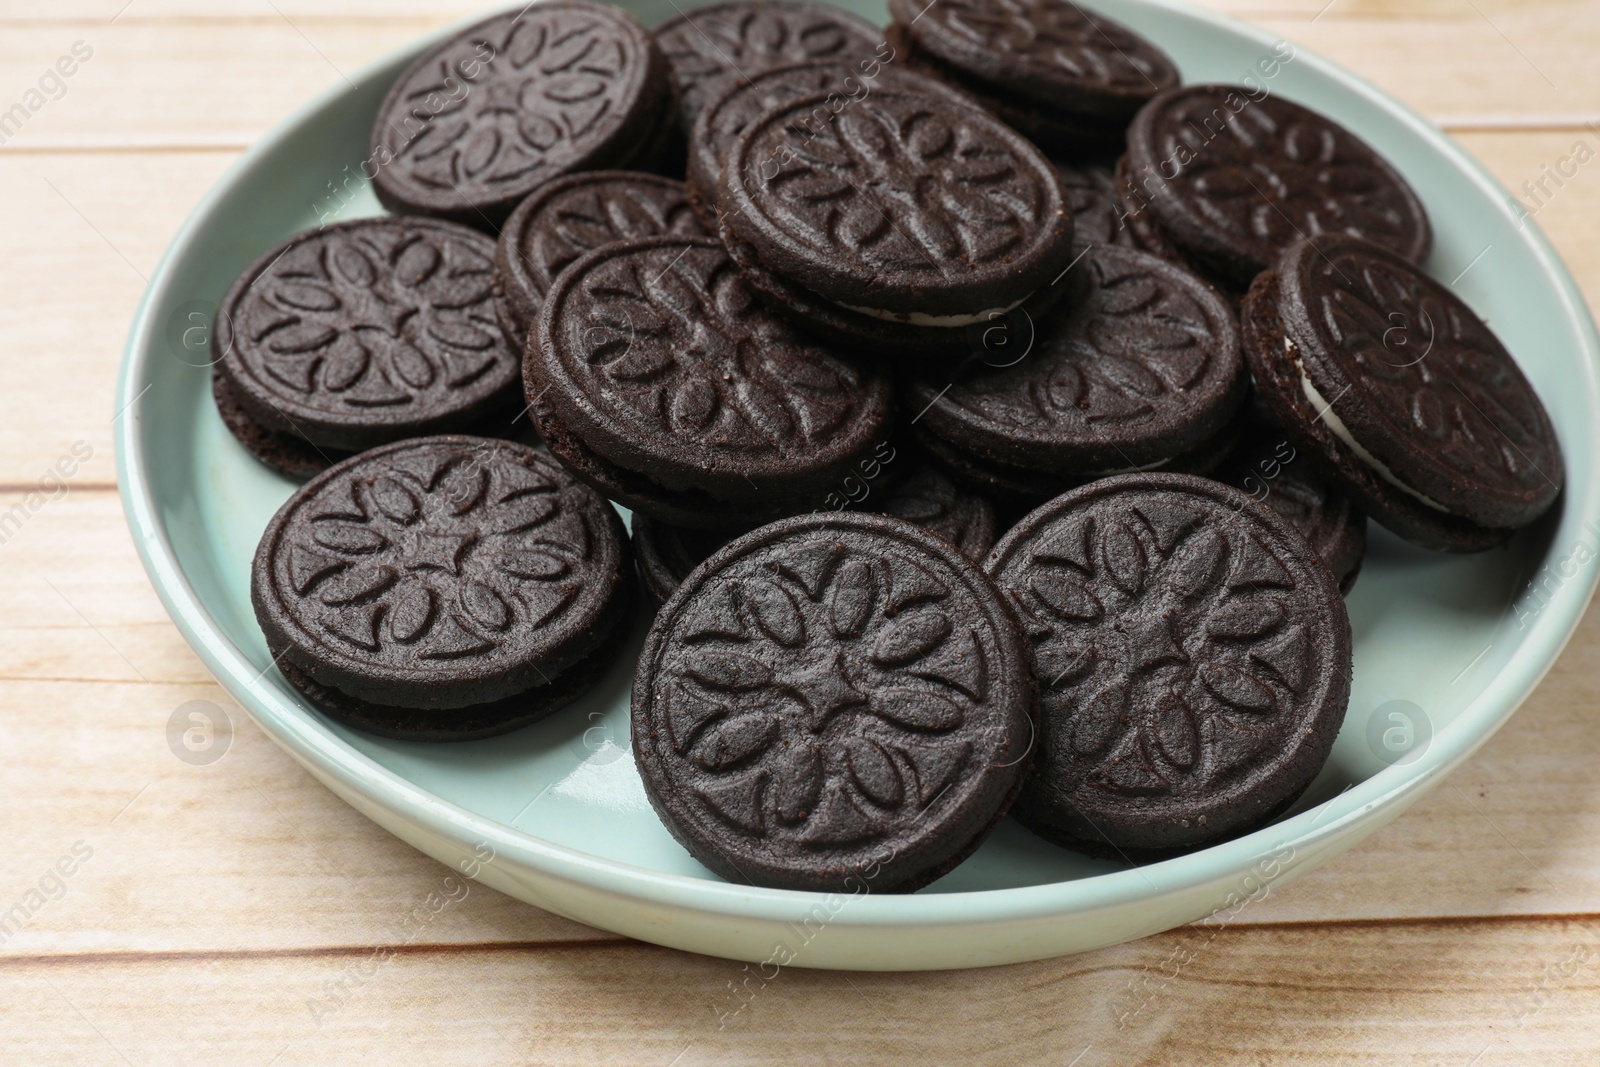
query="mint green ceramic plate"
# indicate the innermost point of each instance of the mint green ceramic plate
(1446, 647)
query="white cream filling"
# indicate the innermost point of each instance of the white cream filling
(922, 318)
(1326, 413)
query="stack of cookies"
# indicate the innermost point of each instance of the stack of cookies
(995, 417)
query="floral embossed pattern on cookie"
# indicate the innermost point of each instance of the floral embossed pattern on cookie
(366, 331)
(1193, 660)
(440, 572)
(1050, 50)
(1403, 396)
(830, 693)
(484, 118)
(1232, 180)
(1144, 366)
(574, 215)
(654, 356)
(909, 201)
(715, 47)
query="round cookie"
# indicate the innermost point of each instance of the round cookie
(834, 702)
(287, 453)
(1231, 180)
(1097, 211)
(912, 206)
(442, 573)
(1061, 134)
(1406, 399)
(712, 48)
(573, 215)
(720, 122)
(481, 120)
(926, 497)
(1142, 368)
(1194, 662)
(659, 379)
(1268, 466)
(1053, 54)
(366, 332)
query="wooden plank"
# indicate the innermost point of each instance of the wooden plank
(1415, 994)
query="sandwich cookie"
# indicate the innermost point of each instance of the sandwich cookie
(1402, 395)
(834, 703)
(1230, 179)
(897, 223)
(1064, 76)
(444, 588)
(713, 48)
(359, 334)
(481, 120)
(1193, 657)
(1141, 372)
(658, 379)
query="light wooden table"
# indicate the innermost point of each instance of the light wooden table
(237, 913)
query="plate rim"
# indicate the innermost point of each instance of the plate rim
(1308, 832)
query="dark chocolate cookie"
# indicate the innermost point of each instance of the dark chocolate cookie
(1062, 134)
(471, 723)
(1051, 53)
(927, 497)
(571, 216)
(366, 332)
(878, 338)
(441, 573)
(658, 378)
(720, 122)
(1097, 211)
(1231, 180)
(1018, 489)
(481, 120)
(834, 702)
(1193, 658)
(1268, 466)
(931, 500)
(1143, 367)
(713, 48)
(287, 453)
(911, 206)
(1404, 396)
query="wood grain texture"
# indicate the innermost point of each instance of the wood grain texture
(239, 913)
(1417, 993)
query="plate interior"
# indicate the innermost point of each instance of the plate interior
(1430, 629)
